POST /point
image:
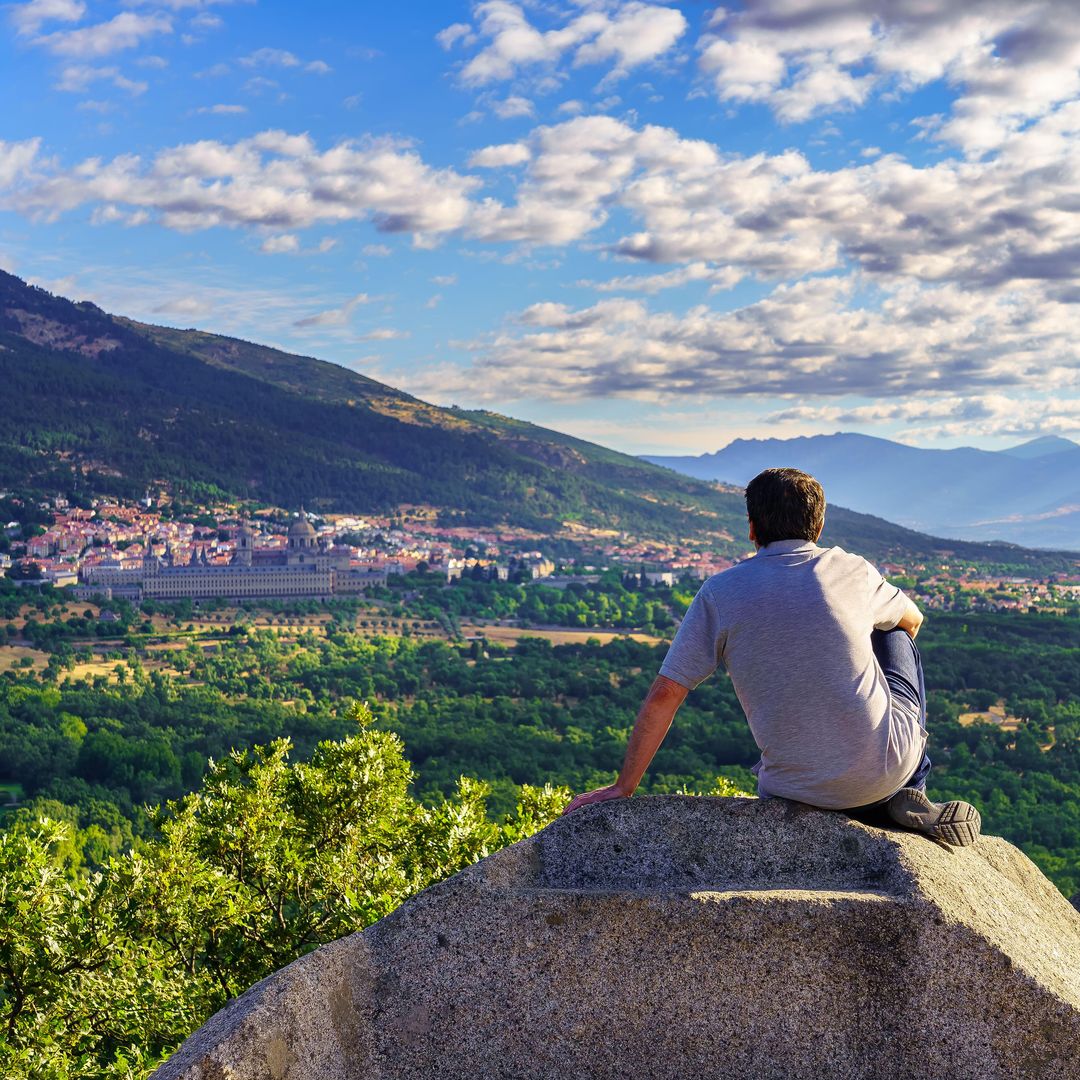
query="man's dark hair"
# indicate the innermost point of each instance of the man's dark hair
(785, 504)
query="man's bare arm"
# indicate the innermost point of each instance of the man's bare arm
(911, 621)
(652, 724)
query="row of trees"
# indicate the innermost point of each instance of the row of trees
(608, 603)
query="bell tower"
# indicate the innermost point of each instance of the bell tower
(245, 542)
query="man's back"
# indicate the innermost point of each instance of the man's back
(821, 650)
(792, 626)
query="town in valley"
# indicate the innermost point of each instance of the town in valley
(147, 550)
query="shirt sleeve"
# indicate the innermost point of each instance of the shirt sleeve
(887, 603)
(695, 653)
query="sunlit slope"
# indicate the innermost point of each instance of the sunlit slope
(108, 404)
(131, 404)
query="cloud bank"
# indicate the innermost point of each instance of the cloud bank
(1012, 62)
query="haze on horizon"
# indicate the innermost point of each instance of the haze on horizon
(659, 226)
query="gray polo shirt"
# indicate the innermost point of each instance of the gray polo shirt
(792, 626)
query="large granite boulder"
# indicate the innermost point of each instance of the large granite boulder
(685, 938)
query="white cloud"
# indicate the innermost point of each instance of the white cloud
(719, 278)
(192, 306)
(742, 70)
(282, 58)
(956, 416)
(444, 279)
(29, 18)
(376, 251)
(823, 86)
(1010, 62)
(77, 78)
(17, 160)
(180, 5)
(692, 194)
(636, 34)
(286, 243)
(132, 86)
(576, 168)
(385, 333)
(334, 317)
(511, 107)
(205, 21)
(222, 110)
(626, 35)
(289, 244)
(516, 43)
(259, 84)
(810, 339)
(123, 31)
(114, 215)
(456, 32)
(266, 57)
(495, 157)
(273, 180)
(982, 223)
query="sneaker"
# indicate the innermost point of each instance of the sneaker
(956, 823)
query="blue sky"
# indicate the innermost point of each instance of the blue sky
(659, 226)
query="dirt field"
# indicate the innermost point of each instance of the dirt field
(10, 655)
(994, 715)
(89, 671)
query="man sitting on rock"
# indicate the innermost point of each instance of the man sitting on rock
(821, 652)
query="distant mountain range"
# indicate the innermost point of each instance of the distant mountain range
(1028, 494)
(91, 402)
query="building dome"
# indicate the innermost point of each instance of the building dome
(301, 527)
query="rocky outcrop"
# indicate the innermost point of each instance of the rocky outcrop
(685, 938)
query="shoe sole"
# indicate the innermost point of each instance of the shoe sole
(954, 823)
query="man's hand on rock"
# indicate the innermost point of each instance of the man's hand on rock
(652, 723)
(602, 794)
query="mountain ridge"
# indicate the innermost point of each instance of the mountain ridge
(100, 401)
(1041, 446)
(1026, 494)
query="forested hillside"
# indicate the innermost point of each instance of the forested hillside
(130, 405)
(92, 403)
